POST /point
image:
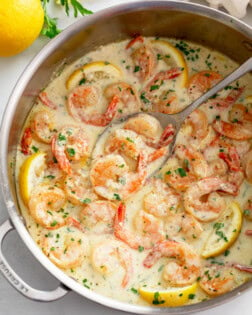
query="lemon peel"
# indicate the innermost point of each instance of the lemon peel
(102, 67)
(171, 297)
(175, 55)
(225, 232)
(30, 174)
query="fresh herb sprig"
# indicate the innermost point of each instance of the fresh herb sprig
(50, 28)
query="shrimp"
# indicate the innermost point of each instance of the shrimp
(249, 233)
(248, 210)
(202, 81)
(112, 180)
(248, 166)
(67, 248)
(225, 102)
(179, 179)
(184, 271)
(125, 141)
(239, 112)
(217, 280)
(150, 228)
(46, 101)
(43, 126)
(236, 131)
(184, 224)
(211, 208)
(128, 100)
(162, 200)
(194, 161)
(199, 124)
(111, 254)
(45, 204)
(98, 216)
(69, 144)
(82, 98)
(143, 58)
(26, 141)
(78, 188)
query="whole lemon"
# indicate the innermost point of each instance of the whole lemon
(20, 24)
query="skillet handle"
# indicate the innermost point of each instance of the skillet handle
(17, 282)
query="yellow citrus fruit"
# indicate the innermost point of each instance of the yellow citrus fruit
(171, 297)
(20, 24)
(172, 56)
(93, 71)
(225, 231)
(248, 100)
(31, 172)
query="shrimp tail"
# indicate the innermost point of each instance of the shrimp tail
(243, 268)
(232, 159)
(137, 38)
(248, 232)
(26, 141)
(46, 101)
(61, 157)
(157, 154)
(167, 136)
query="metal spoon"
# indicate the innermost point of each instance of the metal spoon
(178, 119)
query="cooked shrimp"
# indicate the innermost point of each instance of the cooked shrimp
(145, 125)
(239, 112)
(248, 210)
(248, 166)
(202, 81)
(236, 131)
(217, 280)
(182, 224)
(26, 141)
(150, 229)
(211, 208)
(67, 248)
(128, 100)
(243, 268)
(184, 271)
(221, 103)
(112, 180)
(82, 98)
(162, 200)
(144, 60)
(194, 161)
(98, 216)
(125, 141)
(249, 233)
(78, 188)
(46, 101)
(45, 204)
(69, 144)
(199, 124)
(179, 179)
(43, 126)
(109, 255)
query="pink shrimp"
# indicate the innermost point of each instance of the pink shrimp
(84, 97)
(43, 126)
(243, 268)
(184, 271)
(46, 101)
(236, 131)
(202, 81)
(239, 112)
(226, 102)
(69, 144)
(199, 123)
(26, 141)
(131, 238)
(207, 210)
(112, 180)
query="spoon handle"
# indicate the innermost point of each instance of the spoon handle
(243, 69)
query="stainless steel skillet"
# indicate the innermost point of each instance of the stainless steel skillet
(149, 18)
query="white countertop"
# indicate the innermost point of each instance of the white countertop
(11, 302)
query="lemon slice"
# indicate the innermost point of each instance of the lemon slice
(172, 54)
(248, 100)
(225, 232)
(93, 71)
(172, 297)
(31, 172)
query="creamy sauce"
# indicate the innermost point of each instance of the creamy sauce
(197, 58)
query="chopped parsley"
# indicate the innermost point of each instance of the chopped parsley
(157, 300)
(86, 200)
(140, 248)
(71, 151)
(35, 149)
(136, 69)
(117, 197)
(181, 172)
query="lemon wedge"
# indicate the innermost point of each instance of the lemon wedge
(93, 71)
(172, 55)
(248, 100)
(31, 172)
(171, 297)
(224, 232)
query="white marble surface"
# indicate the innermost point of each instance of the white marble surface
(23, 262)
